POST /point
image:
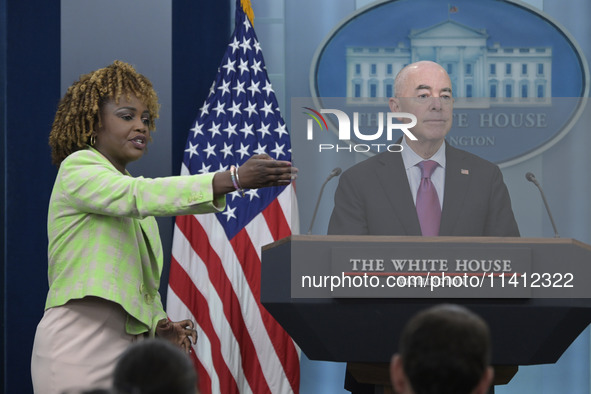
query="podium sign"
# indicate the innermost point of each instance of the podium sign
(396, 271)
(528, 327)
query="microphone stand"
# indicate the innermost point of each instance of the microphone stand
(335, 172)
(532, 178)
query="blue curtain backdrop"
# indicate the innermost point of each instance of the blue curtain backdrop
(31, 65)
(2, 166)
(45, 46)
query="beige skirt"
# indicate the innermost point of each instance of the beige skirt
(77, 345)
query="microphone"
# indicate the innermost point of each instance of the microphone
(335, 172)
(532, 178)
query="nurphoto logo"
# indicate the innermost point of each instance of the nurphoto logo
(344, 130)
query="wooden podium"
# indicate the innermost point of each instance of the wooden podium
(364, 332)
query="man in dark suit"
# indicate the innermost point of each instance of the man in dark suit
(378, 196)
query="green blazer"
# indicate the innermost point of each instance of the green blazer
(104, 240)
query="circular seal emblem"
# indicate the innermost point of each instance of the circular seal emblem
(519, 79)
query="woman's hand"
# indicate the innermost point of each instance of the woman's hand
(180, 333)
(263, 171)
(258, 171)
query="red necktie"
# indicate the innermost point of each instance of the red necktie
(428, 208)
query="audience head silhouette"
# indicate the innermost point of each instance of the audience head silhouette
(443, 350)
(154, 366)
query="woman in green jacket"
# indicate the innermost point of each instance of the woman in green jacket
(105, 254)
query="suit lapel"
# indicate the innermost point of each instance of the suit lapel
(457, 181)
(392, 176)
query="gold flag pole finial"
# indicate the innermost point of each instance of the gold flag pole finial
(247, 8)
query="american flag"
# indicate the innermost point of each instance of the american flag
(216, 258)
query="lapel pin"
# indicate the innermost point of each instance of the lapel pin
(465, 172)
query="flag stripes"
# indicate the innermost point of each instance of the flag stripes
(189, 253)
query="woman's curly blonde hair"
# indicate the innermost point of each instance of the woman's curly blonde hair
(77, 116)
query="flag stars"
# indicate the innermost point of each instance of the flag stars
(214, 129)
(219, 109)
(197, 129)
(264, 129)
(231, 129)
(260, 150)
(229, 213)
(204, 169)
(256, 67)
(278, 151)
(222, 168)
(235, 108)
(240, 118)
(243, 150)
(227, 150)
(254, 88)
(239, 88)
(252, 193)
(251, 109)
(268, 88)
(257, 47)
(234, 45)
(243, 66)
(245, 45)
(229, 66)
(204, 109)
(235, 194)
(210, 150)
(247, 130)
(192, 150)
(281, 130)
(225, 87)
(267, 109)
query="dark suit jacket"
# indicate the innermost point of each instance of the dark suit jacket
(374, 198)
